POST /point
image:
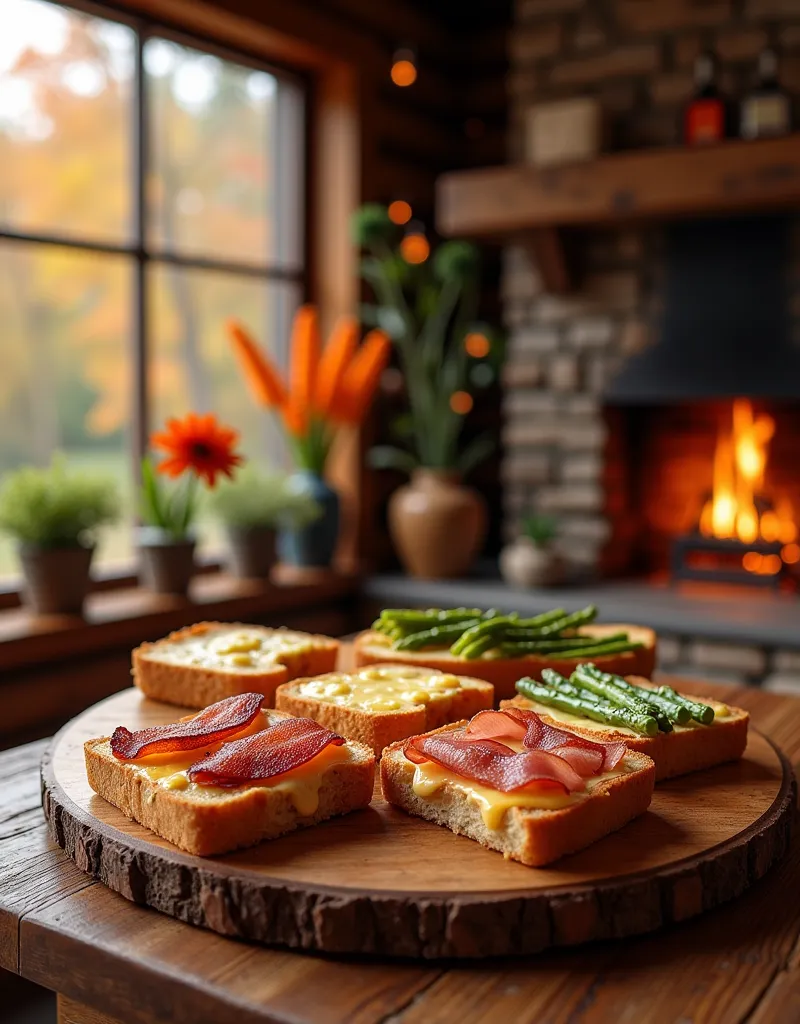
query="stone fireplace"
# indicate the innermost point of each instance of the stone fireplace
(570, 438)
(625, 473)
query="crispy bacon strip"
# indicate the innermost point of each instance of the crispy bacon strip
(216, 723)
(264, 755)
(493, 764)
(587, 757)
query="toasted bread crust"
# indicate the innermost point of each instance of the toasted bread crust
(371, 647)
(216, 825)
(378, 729)
(196, 687)
(675, 753)
(533, 837)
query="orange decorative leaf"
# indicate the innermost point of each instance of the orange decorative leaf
(305, 351)
(261, 376)
(362, 377)
(199, 444)
(303, 364)
(295, 419)
(334, 362)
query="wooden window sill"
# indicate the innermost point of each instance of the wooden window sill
(126, 617)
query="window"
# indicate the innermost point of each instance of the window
(151, 188)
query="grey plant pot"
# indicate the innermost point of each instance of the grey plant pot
(251, 551)
(166, 565)
(56, 579)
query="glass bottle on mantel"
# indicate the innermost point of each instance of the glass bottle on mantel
(766, 110)
(704, 116)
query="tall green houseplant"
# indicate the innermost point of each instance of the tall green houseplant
(428, 309)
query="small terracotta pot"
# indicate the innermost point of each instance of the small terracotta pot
(166, 565)
(56, 579)
(524, 564)
(252, 551)
(438, 526)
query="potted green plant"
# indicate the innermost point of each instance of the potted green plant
(531, 560)
(428, 307)
(198, 451)
(252, 507)
(54, 515)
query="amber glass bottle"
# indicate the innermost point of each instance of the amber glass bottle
(704, 117)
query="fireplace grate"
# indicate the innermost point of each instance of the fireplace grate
(717, 560)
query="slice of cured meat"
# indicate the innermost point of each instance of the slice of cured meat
(274, 751)
(491, 763)
(588, 757)
(214, 724)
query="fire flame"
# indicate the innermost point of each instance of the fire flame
(740, 462)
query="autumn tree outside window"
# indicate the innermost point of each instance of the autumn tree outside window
(151, 186)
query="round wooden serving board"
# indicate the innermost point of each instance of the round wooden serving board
(379, 881)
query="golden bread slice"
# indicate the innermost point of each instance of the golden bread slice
(202, 664)
(535, 829)
(205, 820)
(379, 704)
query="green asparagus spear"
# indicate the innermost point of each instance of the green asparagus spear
(610, 691)
(436, 636)
(486, 628)
(578, 653)
(556, 681)
(699, 712)
(570, 643)
(599, 711)
(676, 712)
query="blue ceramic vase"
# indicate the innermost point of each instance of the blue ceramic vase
(312, 545)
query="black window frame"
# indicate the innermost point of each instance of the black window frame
(137, 249)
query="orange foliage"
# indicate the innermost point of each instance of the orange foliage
(303, 363)
(333, 364)
(362, 378)
(262, 377)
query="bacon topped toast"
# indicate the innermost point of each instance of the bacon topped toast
(230, 777)
(518, 785)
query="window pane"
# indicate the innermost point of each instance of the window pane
(66, 380)
(215, 173)
(65, 122)
(191, 365)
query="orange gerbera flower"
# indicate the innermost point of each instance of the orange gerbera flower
(199, 444)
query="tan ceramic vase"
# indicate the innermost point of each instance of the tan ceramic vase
(438, 526)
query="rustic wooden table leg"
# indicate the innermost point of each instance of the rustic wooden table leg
(70, 1012)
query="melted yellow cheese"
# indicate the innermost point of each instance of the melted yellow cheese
(429, 779)
(302, 784)
(384, 688)
(235, 647)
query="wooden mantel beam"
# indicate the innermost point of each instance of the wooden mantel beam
(644, 185)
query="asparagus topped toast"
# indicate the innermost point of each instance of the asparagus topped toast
(503, 648)
(680, 733)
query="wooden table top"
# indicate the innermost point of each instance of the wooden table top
(62, 930)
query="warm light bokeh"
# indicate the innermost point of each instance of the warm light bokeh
(415, 248)
(477, 345)
(400, 211)
(461, 402)
(733, 512)
(403, 73)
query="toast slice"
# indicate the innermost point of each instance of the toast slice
(205, 663)
(383, 703)
(372, 648)
(535, 836)
(206, 820)
(688, 748)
